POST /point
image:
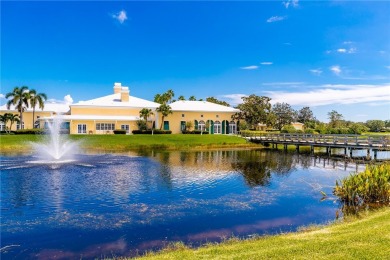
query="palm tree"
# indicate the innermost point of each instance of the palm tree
(192, 98)
(145, 113)
(181, 98)
(170, 94)
(13, 118)
(4, 118)
(37, 99)
(19, 97)
(165, 110)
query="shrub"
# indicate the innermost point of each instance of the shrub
(35, 131)
(371, 185)
(149, 132)
(194, 132)
(310, 131)
(119, 132)
(288, 129)
(141, 124)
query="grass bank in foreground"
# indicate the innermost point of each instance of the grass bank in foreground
(22, 143)
(365, 238)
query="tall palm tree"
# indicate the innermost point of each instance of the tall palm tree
(145, 113)
(181, 98)
(192, 98)
(165, 110)
(37, 99)
(19, 97)
(13, 118)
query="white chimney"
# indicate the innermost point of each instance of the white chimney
(117, 87)
(125, 93)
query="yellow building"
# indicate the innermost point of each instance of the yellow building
(205, 116)
(105, 114)
(120, 110)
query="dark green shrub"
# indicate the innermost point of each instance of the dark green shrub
(194, 132)
(149, 132)
(119, 132)
(35, 131)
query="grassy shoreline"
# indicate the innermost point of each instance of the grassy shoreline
(366, 237)
(22, 143)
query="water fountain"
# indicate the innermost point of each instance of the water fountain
(56, 148)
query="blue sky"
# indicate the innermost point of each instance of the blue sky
(323, 54)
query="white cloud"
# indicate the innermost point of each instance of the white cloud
(288, 3)
(334, 94)
(276, 19)
(2, 96)
(266, 63)
(388, 67)
(253, 67)
(336, 69)
(233, 99)
(316, 72)
(120, 17)
(283, 83)
(342, 50)
(347, 42)
(68, 99)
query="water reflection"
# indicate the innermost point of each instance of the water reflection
(142, 200)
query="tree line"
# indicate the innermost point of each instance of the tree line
(255, 110)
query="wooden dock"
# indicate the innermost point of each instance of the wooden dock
(329, 141)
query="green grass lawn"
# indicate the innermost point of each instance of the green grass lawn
(22, 143)
(364, 238)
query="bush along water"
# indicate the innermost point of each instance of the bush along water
(372, 186)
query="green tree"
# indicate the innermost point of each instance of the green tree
(254, 110)
(165, 97)
(36, 99)
(335, 119)
(13, 119)
(375, 125)
(284, 114)
(19, 97)
(357, 128)
(192, 98)
(165, 110)
(189, 125)
(169, 95)
(5, 118)
(216, 101)
(181, 98)
(145, 113)
(305, 116)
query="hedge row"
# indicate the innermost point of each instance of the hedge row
(149, 132)
(36, 131)
(194, 132)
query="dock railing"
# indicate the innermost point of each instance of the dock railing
(320, 139)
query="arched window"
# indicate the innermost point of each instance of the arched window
(201, 125)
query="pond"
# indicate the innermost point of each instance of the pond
(125, 204)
